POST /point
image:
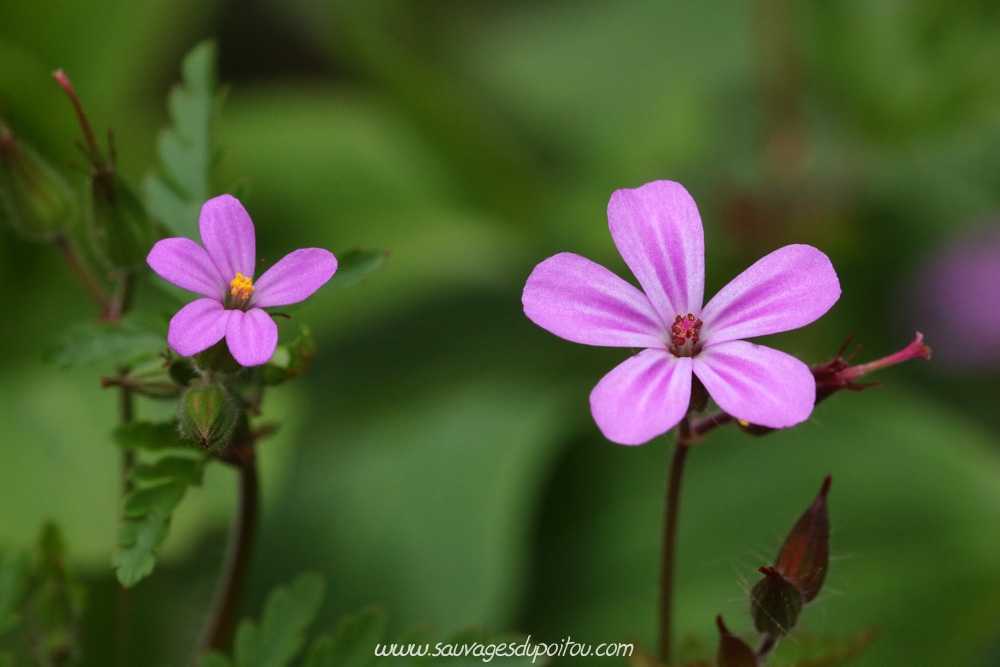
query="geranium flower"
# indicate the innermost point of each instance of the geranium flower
(223, 273)
(658, 232)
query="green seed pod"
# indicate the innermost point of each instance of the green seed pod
(38, 203)
(208, 415)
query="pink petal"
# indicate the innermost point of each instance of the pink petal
(294, 277)
(658, 232)
(197, 326)
(228, 235)
(581, 301)
(186, 264)
(785, 290)
(756, 383)
(252, 336)
(643, 397)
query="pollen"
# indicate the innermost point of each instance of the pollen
(242, 286)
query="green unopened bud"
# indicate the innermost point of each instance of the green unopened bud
(291, 359)
(208, 416)
(733, 651)
(775, 603)
(36, 200)
(120, 228)
(151, 378)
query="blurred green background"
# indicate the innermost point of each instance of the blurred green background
(440, 457)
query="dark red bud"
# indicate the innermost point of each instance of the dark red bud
(805, 555)
(775, 603)
(733, 651)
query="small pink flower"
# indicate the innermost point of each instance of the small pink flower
(223, 273)
(658, 232)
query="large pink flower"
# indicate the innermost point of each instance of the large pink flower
(658, 232)
(223, 273)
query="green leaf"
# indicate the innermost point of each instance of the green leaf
(184, 470)
(214, 660)
(161, 499)
(279, 637)
(353, 643)
(160, 486)
(149, 435)
(356, 265)
(291, 359)
(138, 540)
(122, 342)
(187, 149)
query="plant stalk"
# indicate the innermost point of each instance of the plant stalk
(237, 567)
(668, 554)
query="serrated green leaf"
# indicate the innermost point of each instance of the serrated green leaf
(352, 644)
(186, 149)
(149, 435)
(180, 469)
(161, 499)
(279, 636)
(122, 342)
(356, 265)
(138, 540)
(214, 660)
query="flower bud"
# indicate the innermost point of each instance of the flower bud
(120, 228)
(733, 651)
(152, 379)
(805, 555)
(208, 416)
(775, 603)
(38, 202)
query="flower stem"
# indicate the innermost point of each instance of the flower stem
(126, 413)
(668, 554)
(122, 300)
(90, 283)
(234, 574)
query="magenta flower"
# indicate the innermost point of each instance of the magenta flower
(223, 273)
(658, 231)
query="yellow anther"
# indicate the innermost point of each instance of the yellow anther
(242, 286)
(744, 423)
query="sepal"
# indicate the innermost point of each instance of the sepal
(733, 651)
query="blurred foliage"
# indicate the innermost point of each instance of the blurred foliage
(439, 456)
(289, 611)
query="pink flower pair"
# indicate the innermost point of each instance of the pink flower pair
(659, 234)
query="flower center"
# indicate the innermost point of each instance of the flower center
(684, 335)
(242, 288)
